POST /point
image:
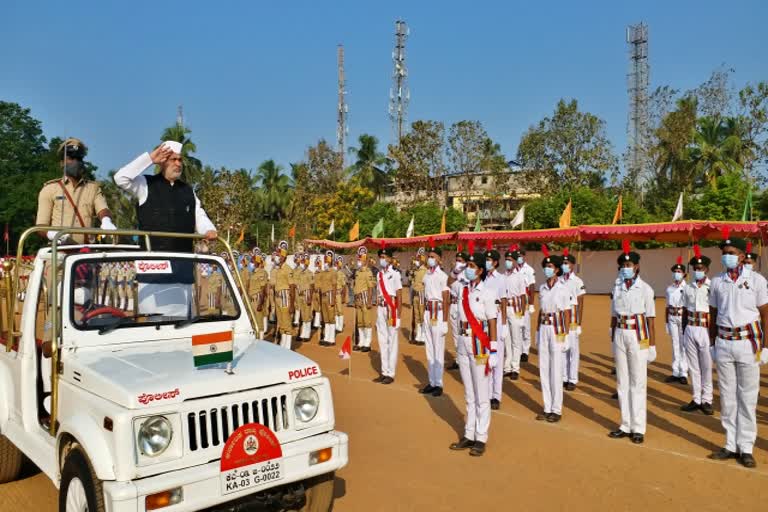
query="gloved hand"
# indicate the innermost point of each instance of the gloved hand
(566, 344)
(764, 356)
(651, 353)
(52, 234)
(106, 223)
(713, 352)
(578, 330)
(443, 328)
(531, 309)
(504, 332)
(493, 360)
(397, 323)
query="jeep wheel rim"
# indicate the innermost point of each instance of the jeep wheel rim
(77, 501)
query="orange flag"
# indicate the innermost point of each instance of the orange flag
(617, 216)
(292, 231)
(442, 223)
(242, 235)
(354, 233)
(565, 218)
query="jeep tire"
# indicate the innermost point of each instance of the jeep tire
(319, 494)
(80, 489)
(11, 460)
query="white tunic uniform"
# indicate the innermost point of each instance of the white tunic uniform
(571, 357)
(517, 309)
(630, 353)
(497, 282)
(675, 303)
(696, 340)
(435, 328)
(530, 275)
(737, 302)
(386, 333)
(477, 385)
(455, 289)
(552, 303)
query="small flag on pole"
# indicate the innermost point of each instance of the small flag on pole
(519, 218)
(478, 224)
(565, 218)
(378, 229)
(679, 210)
(745, 217)
(273, 233)
(346, 348)
(332, 228)
(242, 235)
(212, 348)
(617, 216)
(354, 233)
(5, 235)
(409, 231)
(292, 231)
(442, 222)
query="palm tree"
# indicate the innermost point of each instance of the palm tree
(369, 167)
(274, 194)
(192, 167)
(718, 148)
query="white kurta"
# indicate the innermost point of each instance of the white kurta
(435, 329)
(386, 333)
(571, 358)
(552, 301)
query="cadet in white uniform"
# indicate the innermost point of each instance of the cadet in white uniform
(576, 287)
(435, 320)
(530, 283)
(517, 308)
(477, 353)
(674, 323)
(456, 281)
(738, 300)
(497, 282)
(552, 337)
(389, 289)
(634, 344)
(696, 340)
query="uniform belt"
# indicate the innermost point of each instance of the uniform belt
(674, 311)
(628, 322)
(698, 319)
(751, 331)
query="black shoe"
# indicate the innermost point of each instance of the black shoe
(478, 449)
(747, 460)
(514, 376)
(524, 358)
(707, 409)
(378, 379)
(690, 407)
(570, 386)
(426, 390)
(356, 348)
(462, 444)
(554, 418)
(613, 371)
(671, 379)
(454, 366)
(543, 416)
(618, 434)
(638, 438)
(683, 381)
(388, 380)
(565, 384)
(615, 396)
(324, 343)
(365, 349)
(495, 404)
(438, 391)
(723, 454)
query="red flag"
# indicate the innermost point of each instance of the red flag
(5, 235)
(346, 348)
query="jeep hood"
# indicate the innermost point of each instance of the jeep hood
(159, 374)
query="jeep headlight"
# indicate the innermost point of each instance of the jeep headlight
(154, 436)
(306, 404)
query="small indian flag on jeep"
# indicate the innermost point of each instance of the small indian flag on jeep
(212, 348)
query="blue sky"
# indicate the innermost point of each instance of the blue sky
(258, 80)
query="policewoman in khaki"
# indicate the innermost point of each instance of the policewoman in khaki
(417, 296)
(365, 300)
(285, 296)
(341, 290)
(304, 289)
(72, 201)
(257, 291)
(325, 282)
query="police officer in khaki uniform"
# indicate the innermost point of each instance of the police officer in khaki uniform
(304, 292)
(325, 283)
(271, 312)
(341, 289)
(72, 201)
(365, 300)
(257, 291)
(418, 272)
(285, 296)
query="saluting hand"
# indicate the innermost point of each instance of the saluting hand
(211, 235)
(160, 154)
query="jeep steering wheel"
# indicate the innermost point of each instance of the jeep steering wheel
(104, 310)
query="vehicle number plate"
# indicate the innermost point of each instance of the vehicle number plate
(251, 477)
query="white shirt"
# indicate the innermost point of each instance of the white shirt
(575, 286)
(131, 179)
(557, 298)
(496, 282)
(516, 284)
(482, 302)
(696, 298)
(435, 283)
(529, 273)
(393, 281)
(457, 285)
(638, 300)
(676, 295)
(737, 302)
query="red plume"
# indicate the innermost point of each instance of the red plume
(565, 252)
(625, 247)
(382, 243)
(679, 260)
(697, 251)
(515, 247)
(749, 247)
(431, 243)
(471, 247)
(726, 233)
(545, 250)
(488, 245)
(459, 247)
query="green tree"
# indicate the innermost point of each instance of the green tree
(419, 162)
(723, 201)
(192, 167)
(324, 166)
(369, 169)
(717, 148)
(274, 193)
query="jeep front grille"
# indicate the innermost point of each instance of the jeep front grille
(213, 427)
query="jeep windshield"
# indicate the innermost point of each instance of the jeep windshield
(116, 293)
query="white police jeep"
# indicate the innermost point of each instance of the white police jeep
(162, 398)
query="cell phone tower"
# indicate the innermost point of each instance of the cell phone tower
(343, 108)
(637, 88)
(399, 95)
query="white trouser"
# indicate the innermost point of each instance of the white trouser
(696, 343)
(435, 347)
(513, 344)
(364, 336)
(386, 333)
(527, 332)
(497, 372)
(453, 314)
(739, 381)
(551, 369)
(477, 388)
(571, 358)
(631, 380)
(679, 361)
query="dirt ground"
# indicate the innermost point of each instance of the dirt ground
(399, 457)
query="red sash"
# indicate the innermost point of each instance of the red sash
(388, 299)
(477, 328)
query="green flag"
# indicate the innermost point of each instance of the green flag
(747, 215)
(478, 225)
(378, 229)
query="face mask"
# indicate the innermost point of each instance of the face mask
(509, 264)
(699, 275)
(74, 169)
(431, 262)
(460, 266)
(520, 260)
(383, 263)
(627, 272)
(489, 265)
(566, 268)
(678, 276)
(251, 267)
(359, 264)
(749, 266)
(549, 272)
(470, 273)
(730, 261)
